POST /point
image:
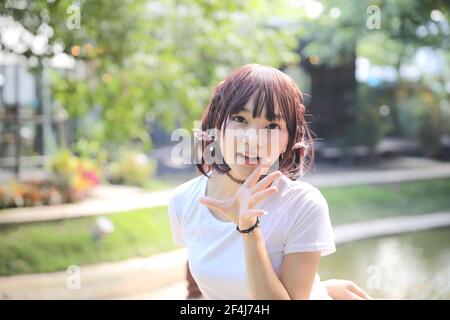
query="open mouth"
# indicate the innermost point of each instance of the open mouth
(249, 160)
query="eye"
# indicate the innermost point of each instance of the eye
(273, 126)
(239, 119)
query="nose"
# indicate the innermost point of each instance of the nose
(251, 139)
(251, 136)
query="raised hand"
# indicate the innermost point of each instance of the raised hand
(240, 208)
(339, 289)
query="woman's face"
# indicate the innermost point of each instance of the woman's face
(258, 138)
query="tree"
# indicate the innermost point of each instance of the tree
(349, 29)
(151, 59)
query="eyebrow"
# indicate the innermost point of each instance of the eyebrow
(277, 116)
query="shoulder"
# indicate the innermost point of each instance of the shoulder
(303, 201)
(187, 189)
(308, 227)
(184, 197)
(301, 192)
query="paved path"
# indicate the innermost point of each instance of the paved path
(389, 226)
(163, 276)
(102, 281)
(116, 203)
(117, 199)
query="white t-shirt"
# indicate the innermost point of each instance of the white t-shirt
(298, 221)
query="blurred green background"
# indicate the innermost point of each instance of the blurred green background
(91, 92)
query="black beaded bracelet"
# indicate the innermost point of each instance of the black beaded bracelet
(249, 229)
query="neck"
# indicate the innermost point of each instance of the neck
(222, 187)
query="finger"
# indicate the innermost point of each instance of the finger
(212, 203)
(261, 195)
(264, 183)
(358, 291)
(255, 213)
(253, 177)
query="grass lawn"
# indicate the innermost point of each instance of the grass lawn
(53, 246)
(361, 203)
(158, 185)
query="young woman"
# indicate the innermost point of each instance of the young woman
(252, 230)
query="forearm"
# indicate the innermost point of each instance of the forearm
(263, 281)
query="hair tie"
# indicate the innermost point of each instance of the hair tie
(302, 146)
(203, 136)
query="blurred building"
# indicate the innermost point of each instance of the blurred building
(30, 128)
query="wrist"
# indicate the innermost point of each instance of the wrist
(248, 225)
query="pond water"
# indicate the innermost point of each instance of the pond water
(408, 266)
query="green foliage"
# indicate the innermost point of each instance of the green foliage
(91, 149)
(153, 59)
(132, 168)
(368, 125)
(106, 24)
(405, 26)
(335, 40)
(160, 60)
(431, 129)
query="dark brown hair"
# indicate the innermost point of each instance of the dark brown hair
(270, 88)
